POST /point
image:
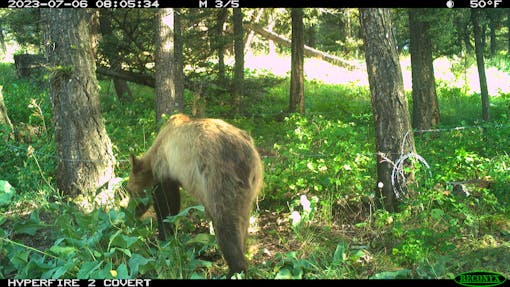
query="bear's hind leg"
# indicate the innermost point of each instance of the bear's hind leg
(167, 201)
(230, 240)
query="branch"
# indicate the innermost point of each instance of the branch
(309, 51)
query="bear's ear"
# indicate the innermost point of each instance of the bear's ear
(136, 164)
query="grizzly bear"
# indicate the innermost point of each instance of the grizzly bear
(215, 162)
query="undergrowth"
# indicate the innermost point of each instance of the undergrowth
(317, 216)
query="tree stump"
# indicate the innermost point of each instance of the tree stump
(28, 64)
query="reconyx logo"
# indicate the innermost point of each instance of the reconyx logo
(480, 278)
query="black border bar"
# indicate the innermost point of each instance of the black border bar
(485, 4)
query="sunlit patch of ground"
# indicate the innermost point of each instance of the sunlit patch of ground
(319, 70)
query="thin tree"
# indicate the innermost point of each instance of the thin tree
(179, 61)
(475, 19)
(425, 104)
(508, 29)
(219, 43)
(166, 101)
(84, 150)
(110, 51)
(393, 134)
(297, 79)
(239, 58)
(4, 118)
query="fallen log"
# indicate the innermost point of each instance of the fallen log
(309, 51)
(134, 77)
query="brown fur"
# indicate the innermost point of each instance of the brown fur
(215, 162)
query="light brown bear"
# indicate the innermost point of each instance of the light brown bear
(215, 162)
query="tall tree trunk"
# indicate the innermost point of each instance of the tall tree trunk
(220, 44)
(425, 105)
(239, 59)
(297, 78)
(493, 26)
(508, 29)
(179, 62)
(3, 48)
(393, 134)
(165, 64)
(255, 19)
(86, 160)
(4, 118)
(475, 19)
(121, 87)
(271, 45)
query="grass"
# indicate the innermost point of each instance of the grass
(316, 217)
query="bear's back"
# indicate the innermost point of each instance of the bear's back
(204, 153)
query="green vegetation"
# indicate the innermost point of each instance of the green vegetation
(318, 216)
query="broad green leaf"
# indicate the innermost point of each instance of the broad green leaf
(436, 213)
(125, 251)
(340, 254)
(201, 238)
(135, 262)
(87, 268)
(284, 274)
(129, 240)
(122, 272)
(184, 213)
(29, 226)
(398, 274)
(63, 251)
(6, 192)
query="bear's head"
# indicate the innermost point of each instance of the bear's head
(140, 178)
(178, 119)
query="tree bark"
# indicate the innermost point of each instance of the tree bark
(239, 59)
(3, 47)
(297, 79)
(475, 14)
(493, 26)
(393, 133)
(179, 62)
(508, 29)
(425, 104)
(4, 117)
(165, 64)
(84, 150)
(219, 41)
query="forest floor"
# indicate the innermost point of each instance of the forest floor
(327, 153)
(318, 70)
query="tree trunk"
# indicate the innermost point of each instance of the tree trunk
(4, 118)
(121, 87)
(508, 29)
(393, 134)
(165, 64)
(219, 40)
(3, 47)
(493, 26)
(255, 19)
(297, 79)
(239, 59)
(475, 14)
(425, 105)
(86, 160)
(179, 62)
(271, 46)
